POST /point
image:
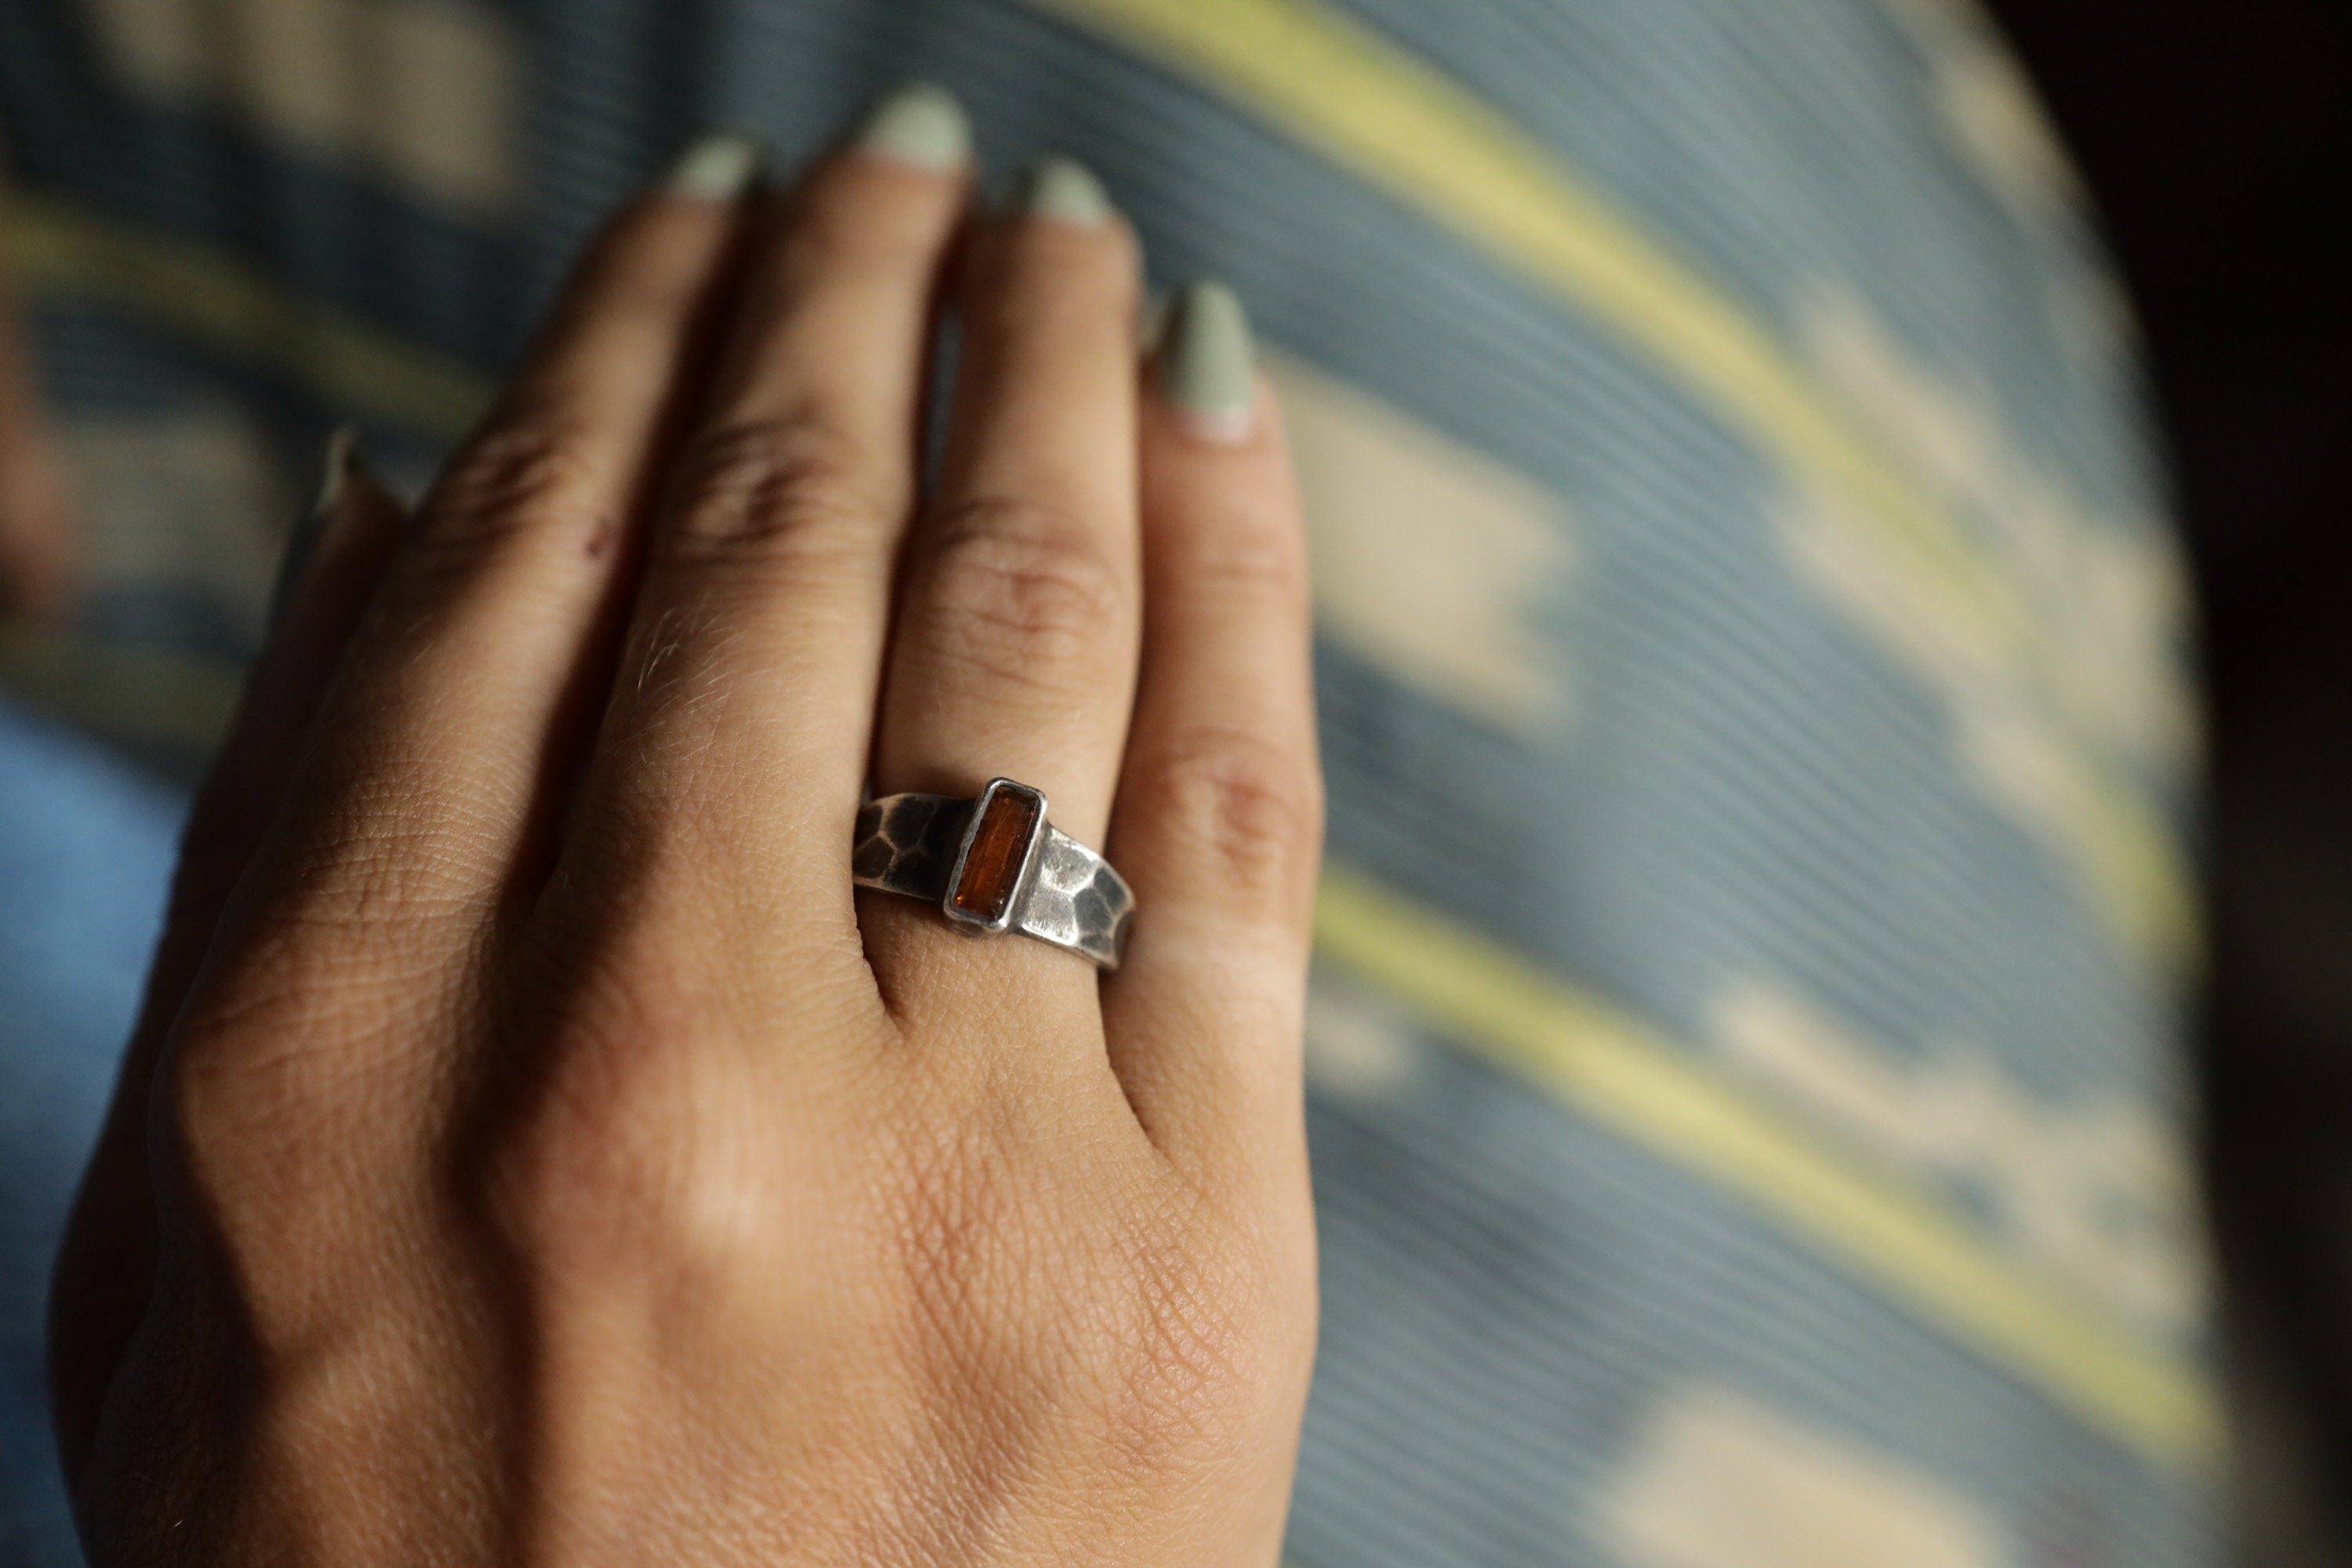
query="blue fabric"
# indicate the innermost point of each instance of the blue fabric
(86, 853)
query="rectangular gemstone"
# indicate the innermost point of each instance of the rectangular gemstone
(999, 845)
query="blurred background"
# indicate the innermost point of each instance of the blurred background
(2218, 146)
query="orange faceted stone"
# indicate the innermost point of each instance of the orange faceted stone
(992, 866)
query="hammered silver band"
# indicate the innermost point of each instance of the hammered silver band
(1054, 888)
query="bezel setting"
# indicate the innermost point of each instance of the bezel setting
(972, 924)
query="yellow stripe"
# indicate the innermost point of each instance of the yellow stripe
(1610, 1067)
(192, 292)
(199, 294)
(1334, 84)
(135, 694)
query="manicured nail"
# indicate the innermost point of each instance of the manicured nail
(919, 124)
(337, 463)
(1207, 367)
(719, 167)
(1062, 189)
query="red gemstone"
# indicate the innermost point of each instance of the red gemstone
(992, 866)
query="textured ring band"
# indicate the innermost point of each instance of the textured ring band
(994, 864)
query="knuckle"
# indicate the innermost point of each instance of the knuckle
(787, 487)
(1252, 806)
(626, 1161)
(234, 1066)
(1022, 591)
(272, 1077)
(1251, 552)
(525, 476)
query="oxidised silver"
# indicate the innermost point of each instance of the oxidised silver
(1068, 894)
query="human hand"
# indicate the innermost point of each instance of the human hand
(531, 1149)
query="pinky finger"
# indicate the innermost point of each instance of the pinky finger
(333, 560)
(1218, 823)
(336, 552)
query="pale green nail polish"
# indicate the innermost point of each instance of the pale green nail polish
(717, 168)
(919, 124)
(336, 463)
(1207, 365)
(1062, 189)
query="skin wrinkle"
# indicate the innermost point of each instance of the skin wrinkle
(785, 484)
(665, 639)
(1247, 803)
(1026, 600)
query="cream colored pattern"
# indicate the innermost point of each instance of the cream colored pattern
(2109, 601)
(1432, 560)
(2048, 723)
(2097, 1196)
(422, 92)
(193, 502)
(1987, 106)
(1359, 1044)
(1990, 116)
(1718, 1480)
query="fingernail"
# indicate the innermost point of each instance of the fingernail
(336, 462)
(919, 124)
(719, 167)
(1062, 189)
(1207, 366)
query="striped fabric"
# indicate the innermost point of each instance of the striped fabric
(1747, 1121)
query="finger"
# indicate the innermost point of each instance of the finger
(431, 765)
(333, 560)
(438, 758)
(1219, 824)
(1014, 649)
(727, 769)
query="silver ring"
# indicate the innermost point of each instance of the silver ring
(994, 864)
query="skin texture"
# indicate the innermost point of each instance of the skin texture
(533, 1151)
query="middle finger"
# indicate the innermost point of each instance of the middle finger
(732, 751)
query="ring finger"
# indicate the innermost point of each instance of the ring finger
(1015, 650)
